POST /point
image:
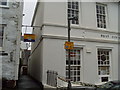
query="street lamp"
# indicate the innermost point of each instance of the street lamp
(69, 69)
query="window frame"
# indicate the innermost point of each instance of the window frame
(106, 15)
(110, 57)
(103, 61)
(76, 66)
(7, 5)
(75, 10)
(3, 26)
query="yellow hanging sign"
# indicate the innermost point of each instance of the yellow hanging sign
(68, 45)
(29, 37)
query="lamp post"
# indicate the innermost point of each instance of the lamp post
(69, 65)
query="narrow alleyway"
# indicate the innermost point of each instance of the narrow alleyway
(25, 83)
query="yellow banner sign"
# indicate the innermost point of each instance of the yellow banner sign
(29, 37)
(68, 45)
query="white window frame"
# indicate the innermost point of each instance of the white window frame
(74, 10)
(106, 17)
(78, 65)
(5, 5)
(110, 52)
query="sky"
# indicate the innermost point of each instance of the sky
(28, 10)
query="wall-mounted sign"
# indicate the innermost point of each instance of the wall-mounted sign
(29, 37)
(69, 45)
(107, 36)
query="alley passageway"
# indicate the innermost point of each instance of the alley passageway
(27, 83)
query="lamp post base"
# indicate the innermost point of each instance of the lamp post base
(69, 85)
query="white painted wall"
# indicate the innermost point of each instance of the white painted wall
(88, 14)
(50, 54)
(56, 13)
(54, 55)
(113, 16)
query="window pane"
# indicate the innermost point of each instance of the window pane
(74, 72)
(73, 5)
(69, 4)
(104, 79)
(76, 3)
(78, 79)
(78, 73)
(3, 2)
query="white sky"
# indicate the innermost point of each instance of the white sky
(28, 10)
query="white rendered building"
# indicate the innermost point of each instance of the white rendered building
(94, 58)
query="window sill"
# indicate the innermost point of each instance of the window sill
(75, 25)
(3, 6)
(102, 28)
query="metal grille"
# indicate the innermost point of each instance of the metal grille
(52, 78)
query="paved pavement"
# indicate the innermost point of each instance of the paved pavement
(27, 83)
